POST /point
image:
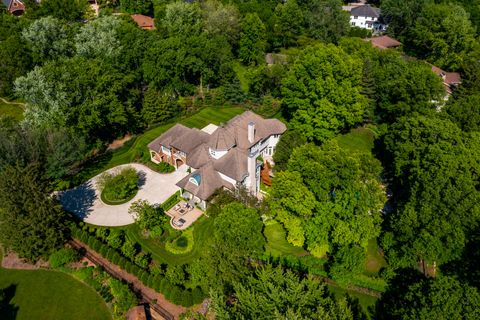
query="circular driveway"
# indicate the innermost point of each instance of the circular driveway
(84, 200)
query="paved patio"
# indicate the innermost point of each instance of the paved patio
(181, 212)
(84, 201)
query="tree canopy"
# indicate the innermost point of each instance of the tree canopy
(322, 92)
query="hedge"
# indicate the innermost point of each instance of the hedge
(170, 202)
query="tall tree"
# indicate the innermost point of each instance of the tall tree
(70, 10)
(434, 298)
(322, 92)
(31, 223)
(221, 20)
(325, 19)
(344, 197)
(275, 294)
(47, 38)
(136, 6)
(433, 167)
(442, 35)
(252, 39)
(288, 23)
(182, 19)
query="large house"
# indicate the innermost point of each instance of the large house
(15, 7)
(366, 17)
(225, 156)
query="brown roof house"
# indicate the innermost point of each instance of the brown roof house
(15, 7)
(384, 42)
(144, 22)
(219, 156)
(451, 80)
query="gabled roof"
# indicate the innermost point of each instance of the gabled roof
(221, 139)
(167, 138)
(199, 157)
(384, 42)
(365, 11)
(264, 128)
(189, 140)
(234, 164)
(448, 77)
(208, 182)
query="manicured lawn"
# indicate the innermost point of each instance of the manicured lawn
(136, 148)
(364, 300)
(375, 261)
(42, 294)
(277, 244)
(241, 72)
(12, 110)
(359, 139)
(203, 230)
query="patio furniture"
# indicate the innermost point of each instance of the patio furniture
(177, 207)
(179, 223)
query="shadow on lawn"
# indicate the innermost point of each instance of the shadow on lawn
(79, 200)
(8, 311)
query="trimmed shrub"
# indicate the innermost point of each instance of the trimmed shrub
(110, 254)
(129, 267)
(115, 239)
(103, 251)
(144, 278)
(120, 186)
(63, 257)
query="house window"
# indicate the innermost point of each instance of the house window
(355, 17)
(353, 24)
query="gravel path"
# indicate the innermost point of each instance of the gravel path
(84, 201)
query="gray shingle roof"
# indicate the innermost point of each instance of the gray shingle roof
(167, 138)
(210, 181)
(234, 164)
(199, 157)
(6, 3)
(365, 11)
(188, 141)
(221, 139)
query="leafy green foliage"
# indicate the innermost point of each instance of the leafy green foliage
(31, 223)
(63, 257)
(443, 35)
(434, 167)
(136, 6)
(70, 10)
(147, 216)
(119, 186)
(273, 294)
(47, 38)
(465, 112)
(348, 261)
(434, 298)
(158, 106)
(124, 297)
(99, 38)
(252, 39)
(322, 92)
(328, 196)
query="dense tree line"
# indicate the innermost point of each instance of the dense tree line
(87, 81)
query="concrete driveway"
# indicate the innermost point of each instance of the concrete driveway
(84, 201)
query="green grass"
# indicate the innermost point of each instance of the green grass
(136, 148)
(277, 244)
(202, 232)
(12, 110)
(375, 261)
(42, 294)
(241, 72)
(366, 302)
(359, 139)
(183, 244)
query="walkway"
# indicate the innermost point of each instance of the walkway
(84, 200)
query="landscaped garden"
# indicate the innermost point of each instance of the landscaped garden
(120, 187)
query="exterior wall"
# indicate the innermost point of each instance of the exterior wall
(361, 22)
(228, 179)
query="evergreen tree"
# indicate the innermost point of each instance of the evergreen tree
(31, 223)
(252, 39)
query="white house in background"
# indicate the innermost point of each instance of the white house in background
(365, 17)
(219, 156)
